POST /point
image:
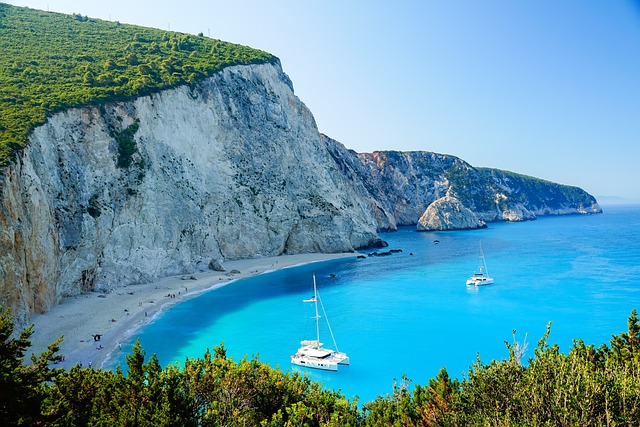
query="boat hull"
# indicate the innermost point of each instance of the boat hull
(319, 358)
(311, 362)
(342, 358)
(474, 281)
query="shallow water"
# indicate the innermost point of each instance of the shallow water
(411, 313)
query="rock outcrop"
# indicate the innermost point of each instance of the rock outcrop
(233, 167)
(447, 213)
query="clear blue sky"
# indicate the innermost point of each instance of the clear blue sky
(548, 88)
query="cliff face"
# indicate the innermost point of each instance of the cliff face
(405, 184)
(231, 168)
(125, 193)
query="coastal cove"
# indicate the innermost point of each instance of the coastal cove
(411, 313)
(194, 233)
(116, 315)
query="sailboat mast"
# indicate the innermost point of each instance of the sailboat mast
(484, 262)
(315, 300)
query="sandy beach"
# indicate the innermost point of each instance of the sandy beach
(94, 324)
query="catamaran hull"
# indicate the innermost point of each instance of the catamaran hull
(309, 362)
(319, 357)
(341, 358)
(483, 282)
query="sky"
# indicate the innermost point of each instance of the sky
(547, 88)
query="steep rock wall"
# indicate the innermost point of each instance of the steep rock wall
(405, 184)
(128, 192)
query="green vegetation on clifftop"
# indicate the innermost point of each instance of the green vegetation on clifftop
(534, 190)
(51, 62)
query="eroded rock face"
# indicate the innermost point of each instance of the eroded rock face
(399, 186)
(129, 192)
(447, 213)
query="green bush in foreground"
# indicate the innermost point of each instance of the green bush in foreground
(586, 387)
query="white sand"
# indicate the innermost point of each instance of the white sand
(119, 314)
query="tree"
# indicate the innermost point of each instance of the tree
(77, 396)
(626, 344)
(436, 402)
(23, 387)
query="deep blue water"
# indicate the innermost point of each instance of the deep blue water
(411, 313)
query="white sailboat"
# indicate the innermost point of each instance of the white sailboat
(481, 277)
(312, 354)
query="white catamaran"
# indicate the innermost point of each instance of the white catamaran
(312, 354)
(481, 277)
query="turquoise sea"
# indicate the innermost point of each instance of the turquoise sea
(411, 313)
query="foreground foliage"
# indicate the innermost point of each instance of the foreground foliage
(586, 387)
(51, 61)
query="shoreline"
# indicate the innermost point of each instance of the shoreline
(118, 315)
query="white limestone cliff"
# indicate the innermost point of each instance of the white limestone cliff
(232, 168)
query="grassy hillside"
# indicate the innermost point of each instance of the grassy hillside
(52, 61)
